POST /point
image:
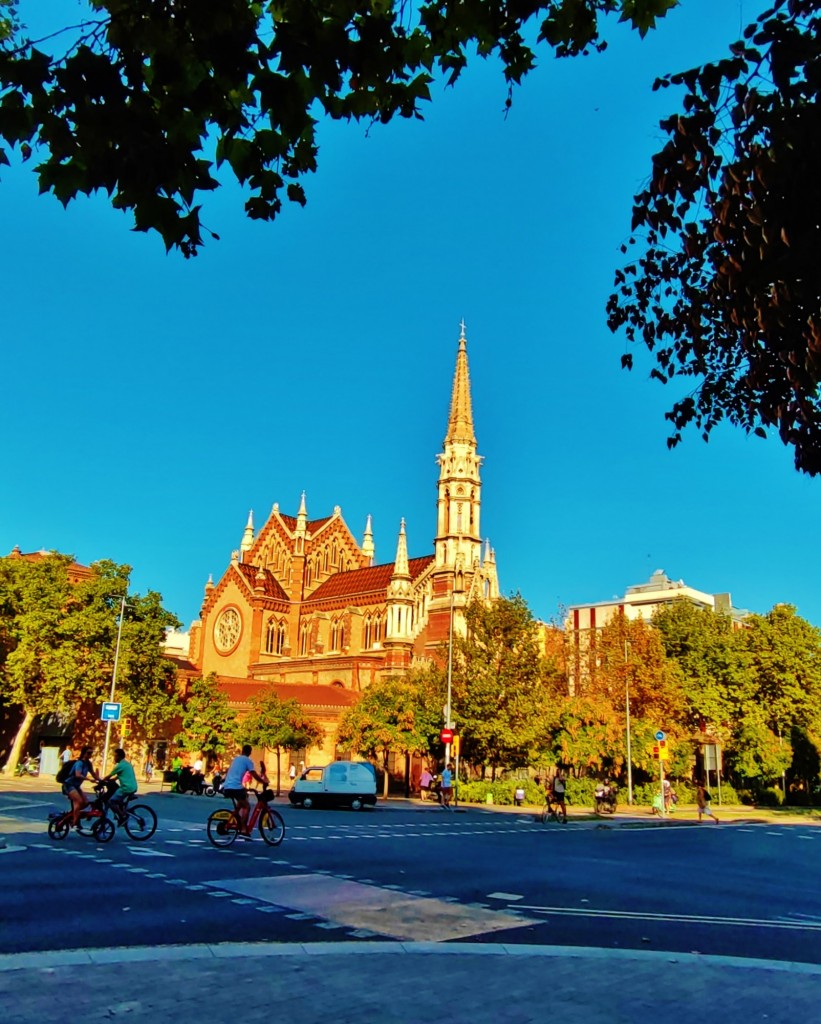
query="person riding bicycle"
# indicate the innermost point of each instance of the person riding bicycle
(234, 787)
(126, 781)
(72, 787)
(559, 788)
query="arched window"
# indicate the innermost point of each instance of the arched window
(325, 559)
(280, 638)
(335, 635)
(367, 638)
(377, 629)
(309, 570)
(270, 636)
(334, 554)
(303, 639)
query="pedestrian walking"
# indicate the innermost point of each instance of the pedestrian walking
(447, 785)
(703, 803)
(292, 772)
(425, 782)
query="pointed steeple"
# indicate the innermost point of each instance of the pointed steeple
(368, 549)
(301, 527)
(460, 421)
(248, 535)
(400, 568)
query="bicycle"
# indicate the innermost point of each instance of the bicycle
(139, 820)
(92, 822)
(553, 812)
(224, 826)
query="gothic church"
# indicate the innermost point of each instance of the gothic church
(303, 608)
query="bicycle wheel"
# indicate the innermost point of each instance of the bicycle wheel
(271, 826)
(222, 828)
(561, 815)
(140, 822)
(103, 830)
(59, 828)
(545, 815)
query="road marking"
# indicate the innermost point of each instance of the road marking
(12, 849)
(141, 851)
(369, 908)
(504, 896)
(631, 915)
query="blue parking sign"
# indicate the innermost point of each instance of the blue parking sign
(661, 736)
(110, 711)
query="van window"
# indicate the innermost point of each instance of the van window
(313, 775)
(338, 773)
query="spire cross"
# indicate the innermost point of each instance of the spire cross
(462, 327)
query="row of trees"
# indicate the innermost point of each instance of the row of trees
(525, 699)
(58, 639)
(211, 727)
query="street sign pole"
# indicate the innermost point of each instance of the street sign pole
(113, 684)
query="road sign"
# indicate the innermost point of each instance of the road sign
(110, 711)
(455, 746)
(446, 735)
(661, 736)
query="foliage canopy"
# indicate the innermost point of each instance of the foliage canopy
(146, 100)
(724, 287)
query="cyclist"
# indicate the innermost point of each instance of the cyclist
(72, 787)
(559, 788)
(234, 787)
(123, 775)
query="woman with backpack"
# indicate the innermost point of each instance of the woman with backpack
(76, 772)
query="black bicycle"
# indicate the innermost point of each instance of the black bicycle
(553, 811)
(139, 820)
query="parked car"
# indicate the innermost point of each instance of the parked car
(341, 784)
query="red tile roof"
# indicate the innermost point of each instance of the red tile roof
(312, 525)
(272, 586)
(373, 580)
(76, 570)
(241, 691)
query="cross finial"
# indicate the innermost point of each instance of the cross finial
(462, 328)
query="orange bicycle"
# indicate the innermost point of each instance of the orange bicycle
(224, 826)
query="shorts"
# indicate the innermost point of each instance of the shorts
(236, 794)
(447, 791)
(72, 784)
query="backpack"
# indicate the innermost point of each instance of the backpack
(707, 796)
(65, 771)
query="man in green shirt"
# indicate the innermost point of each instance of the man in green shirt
(123, 774)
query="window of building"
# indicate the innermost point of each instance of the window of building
(270, 636)
(280, 646)
(367, 636)
(309, 570)
(303, 639)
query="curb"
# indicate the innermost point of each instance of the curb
(246, 950)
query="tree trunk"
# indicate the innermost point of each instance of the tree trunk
(19, 743)
(385, 775)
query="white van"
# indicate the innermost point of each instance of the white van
(341, 784)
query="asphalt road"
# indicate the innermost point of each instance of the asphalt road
(413, 874)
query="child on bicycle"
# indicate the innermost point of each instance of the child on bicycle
(73, 786)
(122, 774)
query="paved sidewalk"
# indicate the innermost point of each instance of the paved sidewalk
(402, 983)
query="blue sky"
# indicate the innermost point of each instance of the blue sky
(149, 402)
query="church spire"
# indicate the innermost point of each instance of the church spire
(460, 421)
(368, 549)
(400, 567)
(460, 487)
(247, 536)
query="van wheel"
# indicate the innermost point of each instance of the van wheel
(307, 803)
(356, 804)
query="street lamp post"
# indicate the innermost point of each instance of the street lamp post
(113, 683)
(450, 677)
(627, 704)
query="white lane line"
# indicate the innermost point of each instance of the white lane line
(503, 896)
(630, 915)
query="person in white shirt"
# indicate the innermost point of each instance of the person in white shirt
(234, 788)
